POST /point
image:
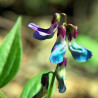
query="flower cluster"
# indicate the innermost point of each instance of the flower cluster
(57, 55)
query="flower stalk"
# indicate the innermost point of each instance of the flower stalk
(51, 86)
(52, 83)
(65, 18)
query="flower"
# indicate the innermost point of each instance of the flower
(59, 49)
(42, 34)
(79, 53)
(61, 75)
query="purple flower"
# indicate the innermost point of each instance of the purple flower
(42, 34)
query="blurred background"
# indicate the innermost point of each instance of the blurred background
(82, 78)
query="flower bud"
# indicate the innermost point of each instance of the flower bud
(61, 78)
(45, 80)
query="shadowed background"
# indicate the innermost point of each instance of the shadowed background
(82, 78)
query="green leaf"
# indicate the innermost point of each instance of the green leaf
(33, 86)
(10, 54)
(2, 95)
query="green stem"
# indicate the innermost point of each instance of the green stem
(65, 18)
(2, 96)
(51, 85)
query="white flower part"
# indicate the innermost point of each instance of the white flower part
(42, 33)
(33, 26)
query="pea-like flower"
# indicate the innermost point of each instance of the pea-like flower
(59, 49)
(79, 53)
(42, 34)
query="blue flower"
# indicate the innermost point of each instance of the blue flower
(79, 53)
(59, 49)
(42, 34)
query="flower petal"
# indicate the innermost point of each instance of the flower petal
(33, 26)
(61, 78)
(58, 52)
(79, 53)
(42, 34)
